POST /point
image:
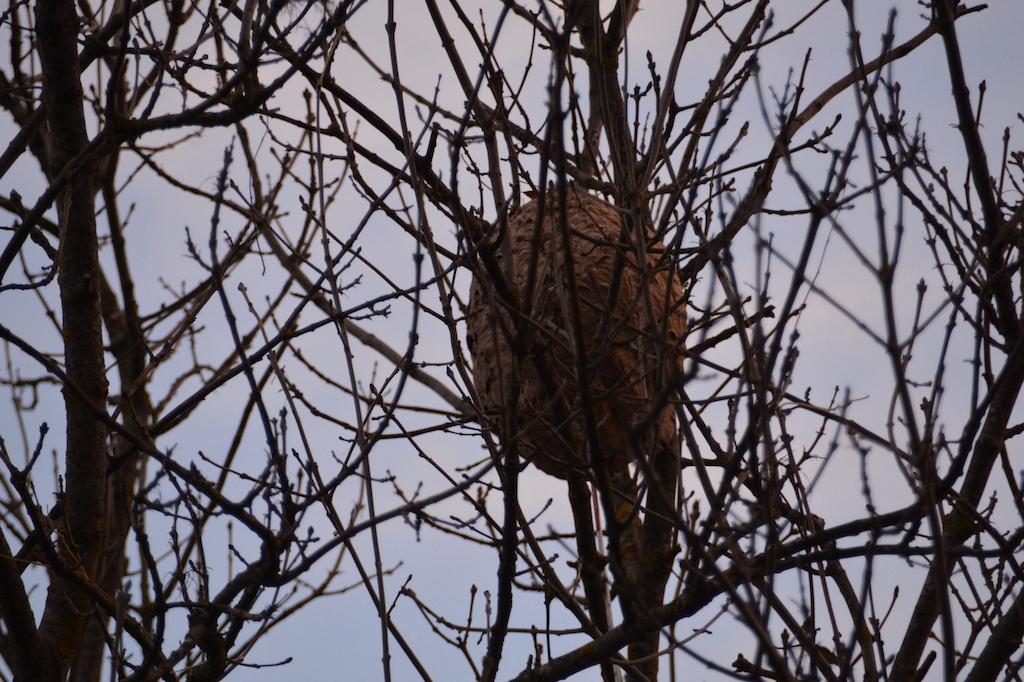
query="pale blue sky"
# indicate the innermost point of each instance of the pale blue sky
(337, 638)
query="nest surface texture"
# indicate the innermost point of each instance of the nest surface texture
(631, 341)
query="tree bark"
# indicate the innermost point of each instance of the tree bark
(68, 608)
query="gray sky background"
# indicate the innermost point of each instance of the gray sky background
(338, 637)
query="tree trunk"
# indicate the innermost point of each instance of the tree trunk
(68, 607)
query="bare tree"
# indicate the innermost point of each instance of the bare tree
(305, 287)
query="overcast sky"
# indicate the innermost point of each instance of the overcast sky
(338, 637)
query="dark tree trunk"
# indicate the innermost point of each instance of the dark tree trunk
(68, 608)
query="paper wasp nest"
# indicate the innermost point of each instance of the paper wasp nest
(632, 346)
